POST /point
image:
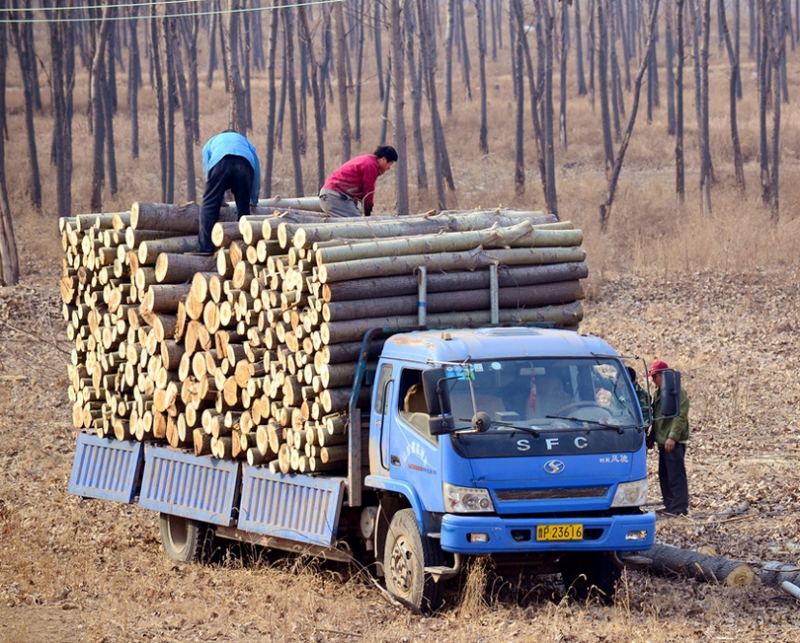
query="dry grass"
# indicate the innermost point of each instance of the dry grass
(715, 297)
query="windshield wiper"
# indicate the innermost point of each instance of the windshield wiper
(603, 425)
(526, 429)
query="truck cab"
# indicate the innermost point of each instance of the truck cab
(524, 444)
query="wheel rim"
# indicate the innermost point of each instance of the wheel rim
(401, 567)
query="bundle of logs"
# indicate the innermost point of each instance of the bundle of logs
(251, 353)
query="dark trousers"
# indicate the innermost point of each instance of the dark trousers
(232, 173)
(672, 478)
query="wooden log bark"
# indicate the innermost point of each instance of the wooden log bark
(521, 297)
(521, 235)
(351, 330)
(149, 250)
(163, 298)
(177, 268)
(305, 235)
(507, 276)
(470, 260)
(669, 560)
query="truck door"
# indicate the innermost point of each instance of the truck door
(413, 451)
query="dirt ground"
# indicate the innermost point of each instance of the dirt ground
(92, 571)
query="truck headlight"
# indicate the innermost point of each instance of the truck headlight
(631, 494)
(465, 500)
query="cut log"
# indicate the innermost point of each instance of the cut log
(472, 260)
(520, 297)
(507, 277)
(176, 268)
(674, 560)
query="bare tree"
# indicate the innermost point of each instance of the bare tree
(187, 112)
(706, 170)
(398, 80)
(415, 82)
(269, 154)
(450, 19)
(155, 55)
(680, 180)
(289, 81)
(98, 117)
(605, 208)
(237, 115)
(602, 81)
(483, 131)
(62, 79)
(579, 50)
(134, 79)
(341, 77)
(305, 34)
(9, 259)
(738, 162)
(22, 37)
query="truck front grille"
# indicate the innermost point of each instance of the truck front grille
(551, 494)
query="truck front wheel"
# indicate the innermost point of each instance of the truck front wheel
(405, 557)
(590, 575)
(182, 538)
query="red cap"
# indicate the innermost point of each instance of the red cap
(657, 367)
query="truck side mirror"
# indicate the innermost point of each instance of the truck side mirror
(670, 393)
(437, 395)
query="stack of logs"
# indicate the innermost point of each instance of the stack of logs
(252, 353)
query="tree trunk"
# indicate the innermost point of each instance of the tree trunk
(562, 115)
(605, 208)
(448, 57)
(22, 38)
(602, 81)
(188, 123)
(582, 91)
(669, 560)
(269, 154)
(341, 79)
(415, 83)
(670, 53)
(110, 107)
(680, 182)
(763, 102)
(134, 80)
(738, 162)
(706, 170)
(237, 115)
(171, 100)
(160, 100)
(288, 17)
(98, 119)
(9, 259)
(400, 144)
(315, 92)
(519, 93)
(483, 132)
(61, 44)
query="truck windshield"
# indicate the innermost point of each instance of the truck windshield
(547, 393)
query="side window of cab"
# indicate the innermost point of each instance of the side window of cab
(412, 407)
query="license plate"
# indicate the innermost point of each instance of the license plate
(559, 532)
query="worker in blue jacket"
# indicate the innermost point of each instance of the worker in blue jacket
(230, 163)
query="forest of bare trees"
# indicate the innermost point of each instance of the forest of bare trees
(422, 54)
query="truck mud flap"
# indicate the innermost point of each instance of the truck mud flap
(183, 484)
(106, 469)
(296, 507)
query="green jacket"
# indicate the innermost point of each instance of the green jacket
(676, 428)
(644, 402)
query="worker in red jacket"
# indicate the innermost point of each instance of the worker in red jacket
(354, 183)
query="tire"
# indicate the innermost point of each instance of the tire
(406, 554)
(182, 538)
(590, 575)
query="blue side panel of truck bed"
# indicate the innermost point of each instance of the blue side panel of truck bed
(183, 484)
(106, 469)
(295, 507)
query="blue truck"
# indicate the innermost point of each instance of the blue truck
(525, 444)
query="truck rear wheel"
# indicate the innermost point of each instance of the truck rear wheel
(406, 554)
(182, 538)
(590, 575)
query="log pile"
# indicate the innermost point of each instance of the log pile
(252, 353)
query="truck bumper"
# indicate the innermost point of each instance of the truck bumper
(484, 535)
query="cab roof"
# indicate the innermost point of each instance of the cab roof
(458, 344)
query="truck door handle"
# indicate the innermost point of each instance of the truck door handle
(395, 461)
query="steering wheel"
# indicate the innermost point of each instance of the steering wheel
(565, 410)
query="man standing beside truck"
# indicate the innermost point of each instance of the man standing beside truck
(671, 435)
